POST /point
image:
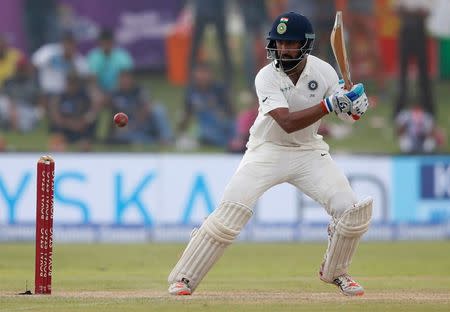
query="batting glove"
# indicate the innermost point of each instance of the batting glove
(360, 106)
(343, 100)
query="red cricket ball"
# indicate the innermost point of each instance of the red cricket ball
(120, 119)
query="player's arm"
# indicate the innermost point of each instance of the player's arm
(294, 121)
(341, 102)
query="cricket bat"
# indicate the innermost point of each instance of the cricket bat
(340, 53)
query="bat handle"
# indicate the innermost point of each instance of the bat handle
(348, 86)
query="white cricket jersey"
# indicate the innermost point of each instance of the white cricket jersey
(275, 89)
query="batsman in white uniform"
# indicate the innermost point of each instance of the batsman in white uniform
(295, 91)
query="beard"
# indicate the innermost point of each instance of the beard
(288, 62)
(288, 65)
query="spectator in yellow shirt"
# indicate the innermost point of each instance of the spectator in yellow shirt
(8, 59)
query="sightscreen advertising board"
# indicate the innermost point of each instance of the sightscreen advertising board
(160, 196)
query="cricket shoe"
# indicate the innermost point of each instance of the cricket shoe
(347, 285)
(180, 288)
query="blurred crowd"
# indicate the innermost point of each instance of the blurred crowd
(70, 90)
(58, 88)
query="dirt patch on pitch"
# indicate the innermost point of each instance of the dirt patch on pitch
(252, 297)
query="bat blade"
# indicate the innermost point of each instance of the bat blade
(340, 53)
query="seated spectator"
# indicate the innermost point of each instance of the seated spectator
(54, 61)
(107, 61)
(8, 59)
(73, 116)
(416, 131)
(4, 113)
(21, 101)
(3, 144)
(147, 121)
(244, 122)
(207, 101)
(57, 143)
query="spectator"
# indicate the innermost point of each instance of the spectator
(55, 61)
(5, 123)
(244, 122)
(58, 143)
(416, 131)
(365, 56)
(321, 14)
(3, 144)
(413, 44)
(107, 61)
(41, 22)
(73, 116)
(147, 121)
(255, 18)
(21, 93)
(206, 99)
(276, 7)
(207, 12)
(8, 59)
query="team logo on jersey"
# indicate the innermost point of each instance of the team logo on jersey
(281, 28)
(284, 90)
(312, 85)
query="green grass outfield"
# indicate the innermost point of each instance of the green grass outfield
(399, 276)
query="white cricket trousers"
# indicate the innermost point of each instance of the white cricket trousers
(313, 172)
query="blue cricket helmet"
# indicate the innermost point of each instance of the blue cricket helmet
(290, 26)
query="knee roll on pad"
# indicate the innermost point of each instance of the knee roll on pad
(355, 222)
(344, 236)
(340, 202)
(208, 243)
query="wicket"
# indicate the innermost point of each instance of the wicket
(44, 225)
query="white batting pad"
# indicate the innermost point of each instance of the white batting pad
(209, 242)
(344, 237)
